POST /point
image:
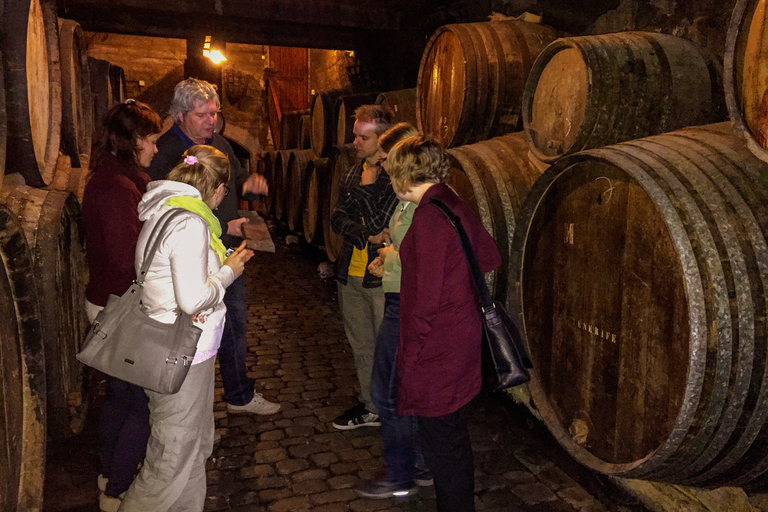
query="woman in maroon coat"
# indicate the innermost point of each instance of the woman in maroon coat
(111, 221)
(438, 359)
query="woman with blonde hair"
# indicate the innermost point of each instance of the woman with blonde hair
(438, 357)
(189, 272)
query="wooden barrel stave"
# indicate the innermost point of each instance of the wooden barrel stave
(76, 99)
(3, 119)
(323, 127)
(52, 226)
(305, 132)
(268, 162)
(402, 103)
(280, 178)
(22, 436)
(317, 175)
(713, 422)
(341, 159)
(294, 186)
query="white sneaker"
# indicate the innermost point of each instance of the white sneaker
(101, 482)
(259, 405)
(108, 503)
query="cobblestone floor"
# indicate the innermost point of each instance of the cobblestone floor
(295, 460)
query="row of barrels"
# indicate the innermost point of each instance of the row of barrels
(52, 96)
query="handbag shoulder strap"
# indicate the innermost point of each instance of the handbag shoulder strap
(154, 240)
(483, 293)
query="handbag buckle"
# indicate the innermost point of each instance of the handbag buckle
(186, 360)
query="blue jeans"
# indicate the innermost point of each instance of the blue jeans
(402, 453)
(238, 388)
(124, 430)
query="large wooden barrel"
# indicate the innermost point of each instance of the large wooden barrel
(401, 103)
(493, 177)
(305, 132)
(323, 127)
(344, 115)
(294, 186)
(341, 159)
(745, 73)
(76, 99)
(22, 374)
(290, 127)
(52, 226)
(30, 48)
(592, 91)
(311, 222)
(472, 76)
(101, 89)
(641, 272)
(279, 179)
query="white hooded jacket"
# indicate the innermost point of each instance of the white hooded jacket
(185, 273)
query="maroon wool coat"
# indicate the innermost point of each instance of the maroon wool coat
(112, 226)
(438, 358)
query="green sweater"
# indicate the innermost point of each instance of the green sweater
(398, 226)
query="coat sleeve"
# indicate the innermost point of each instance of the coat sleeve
(193, 288)
(121, 227)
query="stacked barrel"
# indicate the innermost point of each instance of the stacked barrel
(47, 120)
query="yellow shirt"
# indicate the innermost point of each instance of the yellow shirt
(359, 261)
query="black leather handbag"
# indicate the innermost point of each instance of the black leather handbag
(125, 343)
(504, 360)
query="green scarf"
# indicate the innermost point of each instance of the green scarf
(197, 206)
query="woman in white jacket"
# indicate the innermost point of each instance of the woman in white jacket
(189, 273)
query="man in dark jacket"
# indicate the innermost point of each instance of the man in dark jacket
(365, 204)
(194, 108)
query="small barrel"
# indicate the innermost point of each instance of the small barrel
(317, 175)
(30, 48)
(593, 91)
(279, 179)
(295, 185)
(76, 99)
(289, 129)
(471, 79)
(493, 177)
(323, 127)
(401, 103)
(22, 373)
(342, 158)
(52, 226)
(640, 273)
(745, 75)
(305, 132)
(344, 115)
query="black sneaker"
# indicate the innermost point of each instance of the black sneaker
(423, 478)
(380, 488)
(357, 417)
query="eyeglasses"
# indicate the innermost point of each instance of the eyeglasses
(226, 189)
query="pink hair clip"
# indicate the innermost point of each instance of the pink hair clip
(190, 160)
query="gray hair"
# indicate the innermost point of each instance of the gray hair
(190, 94)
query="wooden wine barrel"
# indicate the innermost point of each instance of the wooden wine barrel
(52, 226)
(30, 48)
(745, 75)
(101, 88)
(3, 119)
(323, 127)
(22, 374)
(290, 127)
(642, 278)
(294, 187)
(472, 76)
(341, 159)
(305, 132)
(344, 115)
(279, 179)
(76, 99)
(317, 175)
(268, 162)
(493, 177)
(68, 178)
(592, 91)
(402, 103)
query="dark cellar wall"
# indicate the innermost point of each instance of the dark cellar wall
(705, 22)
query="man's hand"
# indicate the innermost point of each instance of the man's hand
(255, 184)
(380, 238)
(376, 267)
(235, 226)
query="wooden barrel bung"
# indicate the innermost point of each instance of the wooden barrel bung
(344, 115)
(471, 79)
(401, 103)
(323, 128)
(52, 226)
(593, 91)
(342, 158)
(641, 272)
(493, 177)
(76, 99)
(745, 74)
(22, 374)
(295, 185)
(30, 48)
(317, 175)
